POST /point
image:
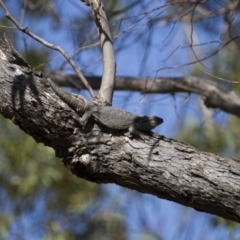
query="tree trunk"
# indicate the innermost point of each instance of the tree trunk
(151, 164)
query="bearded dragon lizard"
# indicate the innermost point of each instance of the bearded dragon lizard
(111, 117)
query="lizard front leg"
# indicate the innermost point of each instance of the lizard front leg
(132, 129)
(84, 119)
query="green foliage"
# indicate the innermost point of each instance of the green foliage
(228, 68)
(232, 226)
(7, 28)
(34, 183)
(36, 58)
(214, 138)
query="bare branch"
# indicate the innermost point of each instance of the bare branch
(49, 45)
(214, 95)
(109, 64)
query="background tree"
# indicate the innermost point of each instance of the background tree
(164, 31)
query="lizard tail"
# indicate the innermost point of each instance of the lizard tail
(76, 103)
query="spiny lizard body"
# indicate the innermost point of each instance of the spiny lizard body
(111, 117)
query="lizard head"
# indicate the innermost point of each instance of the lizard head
(146, 123)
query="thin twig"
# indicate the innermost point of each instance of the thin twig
(49, 45)
(218, 78)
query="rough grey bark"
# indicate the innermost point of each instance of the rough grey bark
(154, 164)
(214, 95)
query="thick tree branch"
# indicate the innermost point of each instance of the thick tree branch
(109, 64)
(214, 95)
(152, 164)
